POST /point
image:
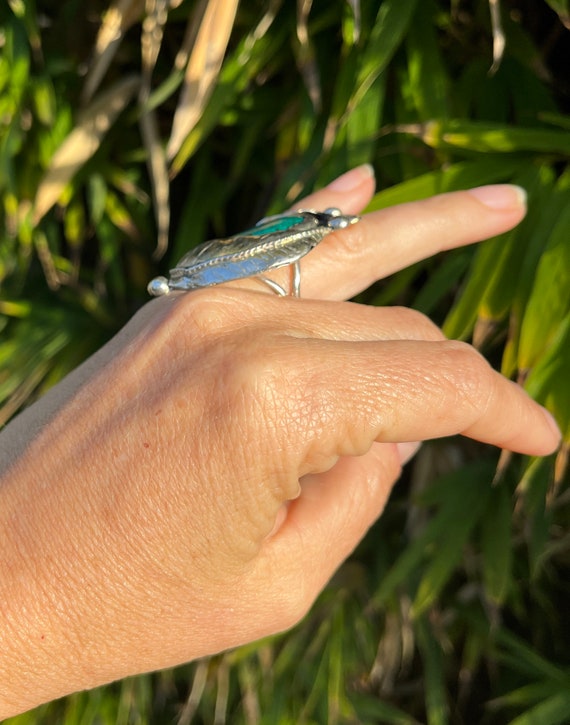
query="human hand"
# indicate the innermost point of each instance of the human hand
(195, 484)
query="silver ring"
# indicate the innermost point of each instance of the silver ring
(275, 241)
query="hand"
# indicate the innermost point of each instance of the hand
(195, 484)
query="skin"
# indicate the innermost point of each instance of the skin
(195, 484)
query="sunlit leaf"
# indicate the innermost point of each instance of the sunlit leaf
(548, 379)
(156, 13)
(82, 143)
(462, 175)
(554, 710)
(511, 250)
(429, 84)
(549, 302)
(490, 138)
(389, 28)
(44, 101)
(530, 694)
(239, 70)
(546, 207)
(499, 40)
(562, 7)
(202, 69)
(116, 20)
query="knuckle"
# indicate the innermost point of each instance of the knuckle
(464, 357)
(256, 393)
(253, 376)
(205, 312)
(250, 382)
(344, 245)
(472, 376)
(418, 323)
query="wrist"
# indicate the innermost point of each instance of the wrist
(55, 601)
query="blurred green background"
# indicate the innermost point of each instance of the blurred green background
(132, 130)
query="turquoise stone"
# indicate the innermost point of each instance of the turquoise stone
(278, 225)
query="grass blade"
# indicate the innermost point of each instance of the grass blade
(553, 711)
(450, 534)
(202, 69)
(82, 143)
(496, 545)
(429, 84)
(117, 19)
(437, 708)
(550, 297)
(462, 175)
(457, 134)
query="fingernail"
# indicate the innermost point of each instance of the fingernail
(551, 420)
(351, 179)
(407, 450)
(501, 196)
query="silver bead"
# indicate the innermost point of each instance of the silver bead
(158, 287)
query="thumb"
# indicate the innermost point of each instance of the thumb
(326, 522)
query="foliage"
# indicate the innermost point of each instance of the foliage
(123, 143)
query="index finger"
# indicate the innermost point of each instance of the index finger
(383, 242)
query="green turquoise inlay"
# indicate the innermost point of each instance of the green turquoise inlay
(279, 225)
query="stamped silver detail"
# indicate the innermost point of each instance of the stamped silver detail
(275, 241)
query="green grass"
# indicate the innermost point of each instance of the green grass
(452, 609)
